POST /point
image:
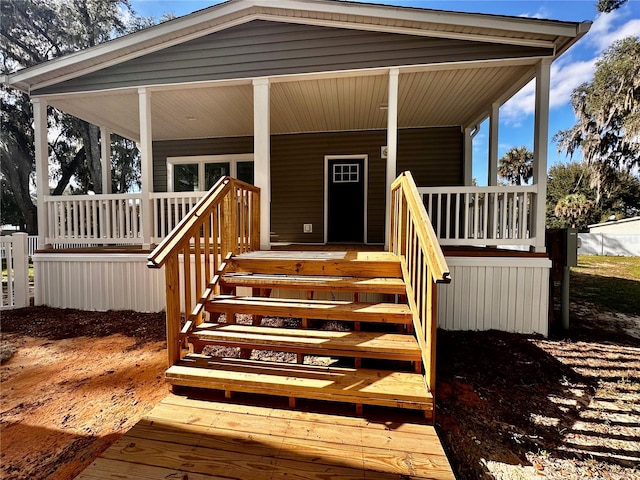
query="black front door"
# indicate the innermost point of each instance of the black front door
(346, 200)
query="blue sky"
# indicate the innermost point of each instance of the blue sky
(516, 116)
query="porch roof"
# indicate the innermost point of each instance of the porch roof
(459, 93)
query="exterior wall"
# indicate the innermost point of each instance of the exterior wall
(181, 148)
(434, 155)
(609, 244)
(507, 293)
(263, 48)
(98, 282)
(629, 226)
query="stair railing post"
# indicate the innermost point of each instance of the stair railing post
(172, 290)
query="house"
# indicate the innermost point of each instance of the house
(624, 226)
(320, 104)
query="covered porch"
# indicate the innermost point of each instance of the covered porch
(396, 119)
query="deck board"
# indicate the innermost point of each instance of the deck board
(207, 440)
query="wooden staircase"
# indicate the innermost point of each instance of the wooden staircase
(230, 293)
(372, 359)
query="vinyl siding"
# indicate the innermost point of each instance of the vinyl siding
(434, 155)
(263, 48)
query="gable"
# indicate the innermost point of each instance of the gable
(265, 48)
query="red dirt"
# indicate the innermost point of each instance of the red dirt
(76, 387)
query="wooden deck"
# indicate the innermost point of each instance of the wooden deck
(211, 439)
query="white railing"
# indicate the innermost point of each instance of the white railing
(169, 208)
(15, 261)
(500, 215)
(94, 219)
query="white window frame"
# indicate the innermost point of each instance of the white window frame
(365, 177)
(201, 160)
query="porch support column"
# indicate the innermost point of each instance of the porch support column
(262, 156)
(494, 120)
(146, 163)
(468, 155)
(42, 166)
(105, 156)
(392, 148)
(540, 142)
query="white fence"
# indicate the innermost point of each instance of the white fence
(501, 215)
(15, 285)
(609, 244)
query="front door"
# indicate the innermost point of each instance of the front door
(345, 200)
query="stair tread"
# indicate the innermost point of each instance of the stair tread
(316, 282)
(365, 386)
(359, 264)
(365, 344)
(318, 309)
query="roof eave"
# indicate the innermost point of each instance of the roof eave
(28, 79)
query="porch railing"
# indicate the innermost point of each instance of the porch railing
(423, 265)
(500, 215)
(94, 219)
(170, 208)
(225, 221)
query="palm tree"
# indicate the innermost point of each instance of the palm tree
(516, 166)
(573, 206)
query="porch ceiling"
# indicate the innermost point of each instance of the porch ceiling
(453, 95)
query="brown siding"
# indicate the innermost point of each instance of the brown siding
(264, 48)
(183, 148)
(434, 155)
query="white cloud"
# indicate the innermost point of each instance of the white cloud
(541, 13)
(566, 73)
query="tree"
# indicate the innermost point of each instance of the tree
(34, 31)
(573, 206)
(516, 166)
(622, 201)
(607, 131)
(607, 6)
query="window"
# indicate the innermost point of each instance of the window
(200, 173)
(346, 173)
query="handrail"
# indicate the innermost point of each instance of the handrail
(413, 239)
(226, 221)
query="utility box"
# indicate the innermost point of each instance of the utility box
(562, 247)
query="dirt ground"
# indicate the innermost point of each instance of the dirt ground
(75, 383)
(508, 406)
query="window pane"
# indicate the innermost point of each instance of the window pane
(245, 171)
(214, 172)
(185, 177)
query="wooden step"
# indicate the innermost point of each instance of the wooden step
(315, 283)
(340, 264)
(316, 309)
(312, 342)
(359, 386)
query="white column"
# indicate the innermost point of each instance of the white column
(20, 269)
(262, 156)
(468, 155)
(105, 157)
(146, 164)
(494, 120)
(392, 148)
(42, 166)
(540, 142)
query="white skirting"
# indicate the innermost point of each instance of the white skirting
(502, 293)
(98, 282)
(505, 293)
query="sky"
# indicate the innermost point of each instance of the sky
(573, 68)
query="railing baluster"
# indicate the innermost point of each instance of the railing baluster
(448, 216)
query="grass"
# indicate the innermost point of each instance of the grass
(610, 282)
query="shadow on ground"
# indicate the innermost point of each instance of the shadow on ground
(512, 406)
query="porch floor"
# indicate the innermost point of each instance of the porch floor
(210, 438)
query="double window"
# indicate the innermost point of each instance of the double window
(200, 173)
